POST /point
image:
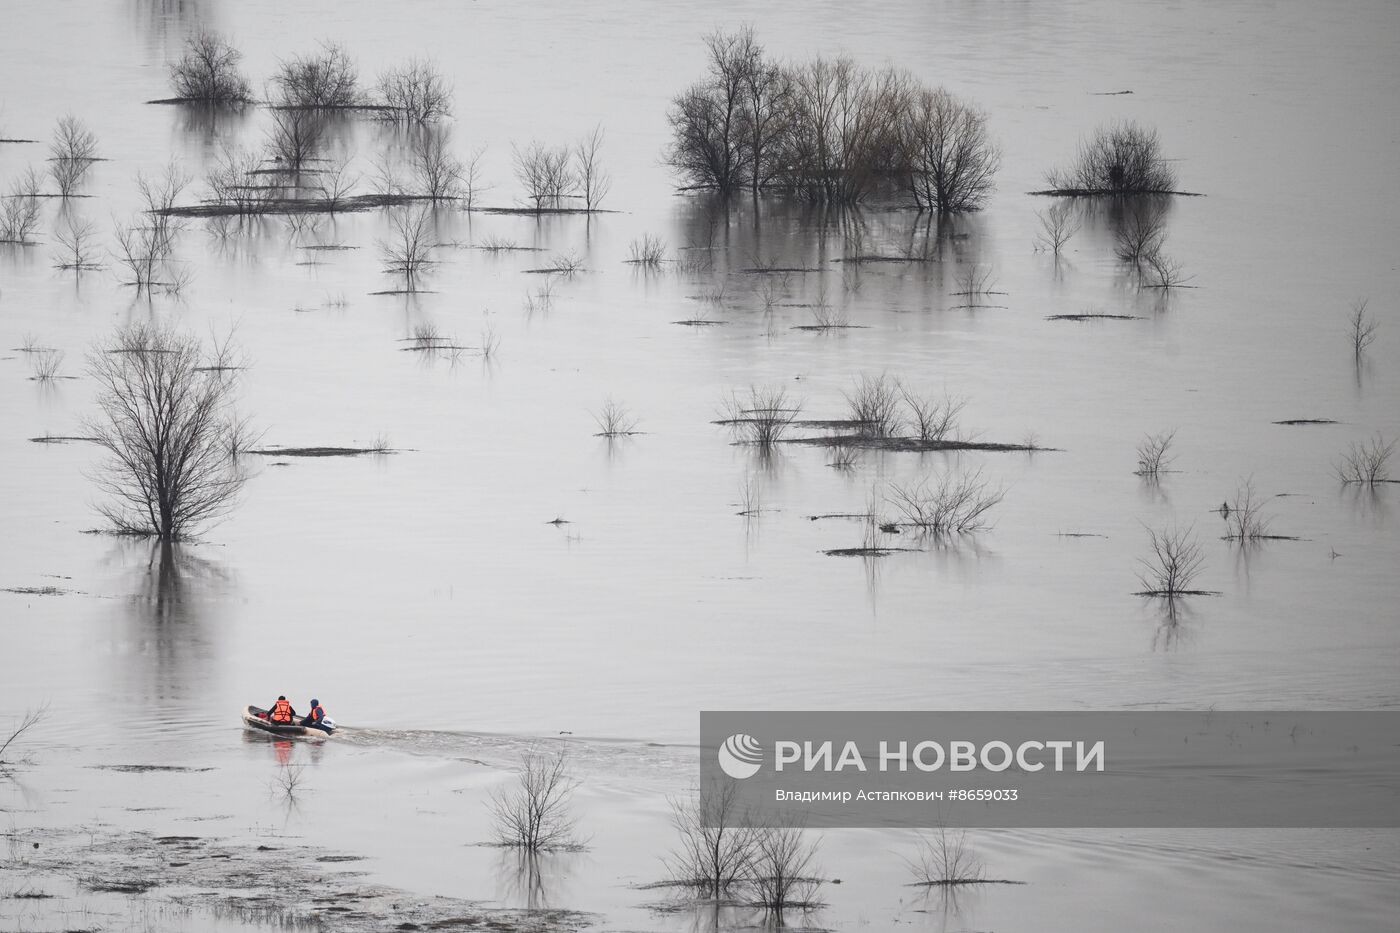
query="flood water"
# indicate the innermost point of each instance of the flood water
(427, 589)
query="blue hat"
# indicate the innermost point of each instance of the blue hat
(315, 702)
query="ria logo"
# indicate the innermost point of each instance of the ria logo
(740, 756)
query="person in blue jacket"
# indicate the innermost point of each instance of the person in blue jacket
(315, 718)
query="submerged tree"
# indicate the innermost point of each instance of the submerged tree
(168, 423)
(951, 160)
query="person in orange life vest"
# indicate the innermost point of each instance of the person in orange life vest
(315, 716)
(282, 712)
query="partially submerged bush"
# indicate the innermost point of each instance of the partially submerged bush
(208, 71)
(873, 403)
(19, 215)
(764, 416)
(957, 503)
(415, 92)
(328, 78)
(944, 859)
(1119, 158)
(1175, 563)
(1366, 463)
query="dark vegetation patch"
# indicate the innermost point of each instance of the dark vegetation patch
(760, 270)
(1307, 421)
(534, 211)
(328, 246)
(865, 551)
(348, 204)
(319, 451)
(7, 139)
(908, 444)
(340, 858)
(881, 257)
(1094, 317)
(122, 886)
(700, 322)
(36, 590)
(30, 896)
(1105, 192)
(146, 769)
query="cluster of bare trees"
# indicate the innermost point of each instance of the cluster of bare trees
(19, 210)
(827, 131)
(553, 175)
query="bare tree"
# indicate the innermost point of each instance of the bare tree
(30, 720)
(416, 92)
(1141, 234)
(1361, 327)
(594, 182)
(329, 78)
(71, 154)
(707, 120)
(1174, 564)
(337, 181)
(439, 173)
(165, 422)
(408, 251)
(951, 158)
(146, 244)
(1118, 158)
(233, 180)
(1057, 225)
(208, 71)
(1163, 271)
(295, 137)
(544, 173)
(471, 178)
(535, 814)
(716, 850)
(79, 250)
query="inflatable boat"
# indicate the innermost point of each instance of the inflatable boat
(255, 718)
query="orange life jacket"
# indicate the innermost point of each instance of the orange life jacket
(317, 714)
(281, 711)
